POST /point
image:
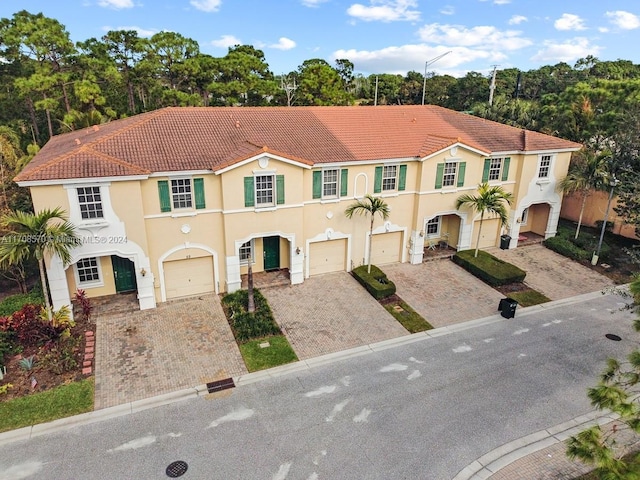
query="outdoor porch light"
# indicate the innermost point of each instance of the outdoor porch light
(297, 250)
(143, 272)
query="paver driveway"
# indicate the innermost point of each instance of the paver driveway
(330, 313)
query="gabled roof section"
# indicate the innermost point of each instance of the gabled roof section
(213, 138)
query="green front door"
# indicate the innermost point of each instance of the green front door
(271, 246)
(124, 273)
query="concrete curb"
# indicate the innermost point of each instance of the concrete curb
(27, 433)
(498, 458)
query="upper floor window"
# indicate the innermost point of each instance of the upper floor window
(545, 166)
(263, 190)
(390, 178)
(90, 202)
(246, 252)
(496, 169)
(330, 183)
(450, 174)
(88, 271)
(179, 193)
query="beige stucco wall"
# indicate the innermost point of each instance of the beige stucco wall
(109, 287)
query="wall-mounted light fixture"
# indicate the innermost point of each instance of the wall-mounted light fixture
(297, 250)
(143, 272)
(421, 233)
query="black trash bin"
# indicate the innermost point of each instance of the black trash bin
(505, 240)
(507, 307)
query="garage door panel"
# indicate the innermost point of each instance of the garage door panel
(387, 248)
(489, 234)
(187, 277)
(326, 257)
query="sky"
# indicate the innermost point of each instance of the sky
(379, 36)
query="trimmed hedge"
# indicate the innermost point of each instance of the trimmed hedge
(566, 248)
(488, 268)
(247, 326)
(376, 282)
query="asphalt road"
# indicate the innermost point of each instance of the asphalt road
(422, 410)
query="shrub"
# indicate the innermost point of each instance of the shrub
(60, 357)
(28, 327)
(245, 325)
(14, 303)
(376, 282)
(84, 303)
(567, 248)
(488, 268)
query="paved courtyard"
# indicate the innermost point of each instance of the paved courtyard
(330, 313)
(178, 345)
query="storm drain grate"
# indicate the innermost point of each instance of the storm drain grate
(177, 469)
(220, 385)
(613, 337)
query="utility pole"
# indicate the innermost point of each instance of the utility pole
(424, 83)
(492, 87)
(375, 98)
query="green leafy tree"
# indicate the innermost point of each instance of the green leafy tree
(617, 391)
(490, 200)
(34, 235)
(588, 172)
(321, 84)
(373, 206)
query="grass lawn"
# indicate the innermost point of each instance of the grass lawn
(526, 298)
(277, 353)
(60, 402)
(407, 316)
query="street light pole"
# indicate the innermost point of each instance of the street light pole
(594, 259)
(424, 82)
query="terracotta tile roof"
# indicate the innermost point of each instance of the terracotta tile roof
(212, 138)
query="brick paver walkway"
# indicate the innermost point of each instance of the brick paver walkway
(442, 292)
(180, 344)
(552, 274)
(330, 313)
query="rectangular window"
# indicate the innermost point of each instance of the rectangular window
(246, 252)
(90, 202)
(88, 270)
(389, 177)
(494, 168)
(264, 189)
(433, 227)
(449, 175)
(181, 193)
(330, 183)
(545, 166)
(525, 216)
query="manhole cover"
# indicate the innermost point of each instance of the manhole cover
(613, 337)
(177, 469)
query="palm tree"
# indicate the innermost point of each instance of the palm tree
(490, 200)
(588, 172)
(37, 234)
(369, 205)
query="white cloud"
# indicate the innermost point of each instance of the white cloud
(226, 41)
(284, 43)
(487, 37)
(385, 11)
(568, 51)
(603, 29)
(312, 3)
(448, 10)
(206, 5)
(517, 20)
(142, 32)
(569, 21)
(116, 4)
(624, 20)
(501, 2)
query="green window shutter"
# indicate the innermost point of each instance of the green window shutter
(377, 183)
(317, 184)
(439, 174)
(402, 180)
(505, 169)
(198, 187)
(344, 182)
(485, 172)
(461, 168)
(249, 201)
(165, 198)
(279, 189)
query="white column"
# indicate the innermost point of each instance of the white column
(416, 249)
(234, 281)
(58, 287)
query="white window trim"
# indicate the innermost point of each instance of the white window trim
(337, 194)
(455, 176)
(182, 177)
(94, 283)
(547, 178)
(437, 232)
(95, 219)
(397, 179)
(500, 169)
(525, 216)
(251, 260)
(274, 193)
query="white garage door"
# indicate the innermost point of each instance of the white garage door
(193, 276)
(329, 256)
(387, 248)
